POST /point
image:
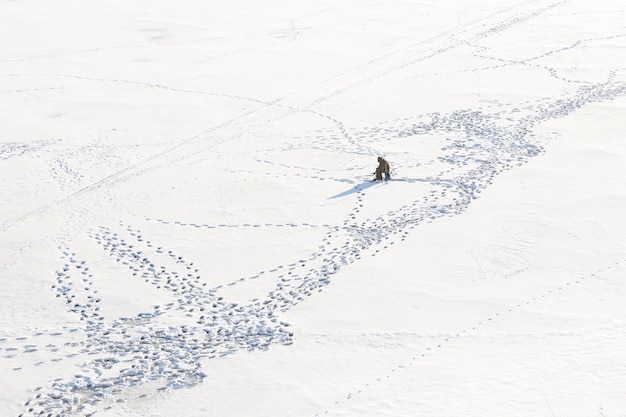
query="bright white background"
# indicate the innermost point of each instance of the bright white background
(188, 227)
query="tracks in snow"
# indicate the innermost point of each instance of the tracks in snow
(166, 344)
(323, 91)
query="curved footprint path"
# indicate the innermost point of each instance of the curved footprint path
(164, 348)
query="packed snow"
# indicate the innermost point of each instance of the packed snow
(189, 224)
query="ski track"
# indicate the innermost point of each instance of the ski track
(379, 67)
(122, 352)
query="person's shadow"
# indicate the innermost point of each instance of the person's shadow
(355, 189)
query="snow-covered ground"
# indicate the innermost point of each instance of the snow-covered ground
(188, 227)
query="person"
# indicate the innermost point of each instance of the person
(383, 168)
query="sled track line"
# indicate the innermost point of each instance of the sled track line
(370, 65)
(340, 126)
(356, 71)
(218, 327)
(452, 43)
(6, 225)
(224, 341)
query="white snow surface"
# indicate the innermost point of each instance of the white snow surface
(188, 227)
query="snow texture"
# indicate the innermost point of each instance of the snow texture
(190, 227)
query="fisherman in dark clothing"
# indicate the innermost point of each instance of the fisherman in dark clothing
(383, 168)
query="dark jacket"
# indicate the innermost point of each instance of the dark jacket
(383, 168)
